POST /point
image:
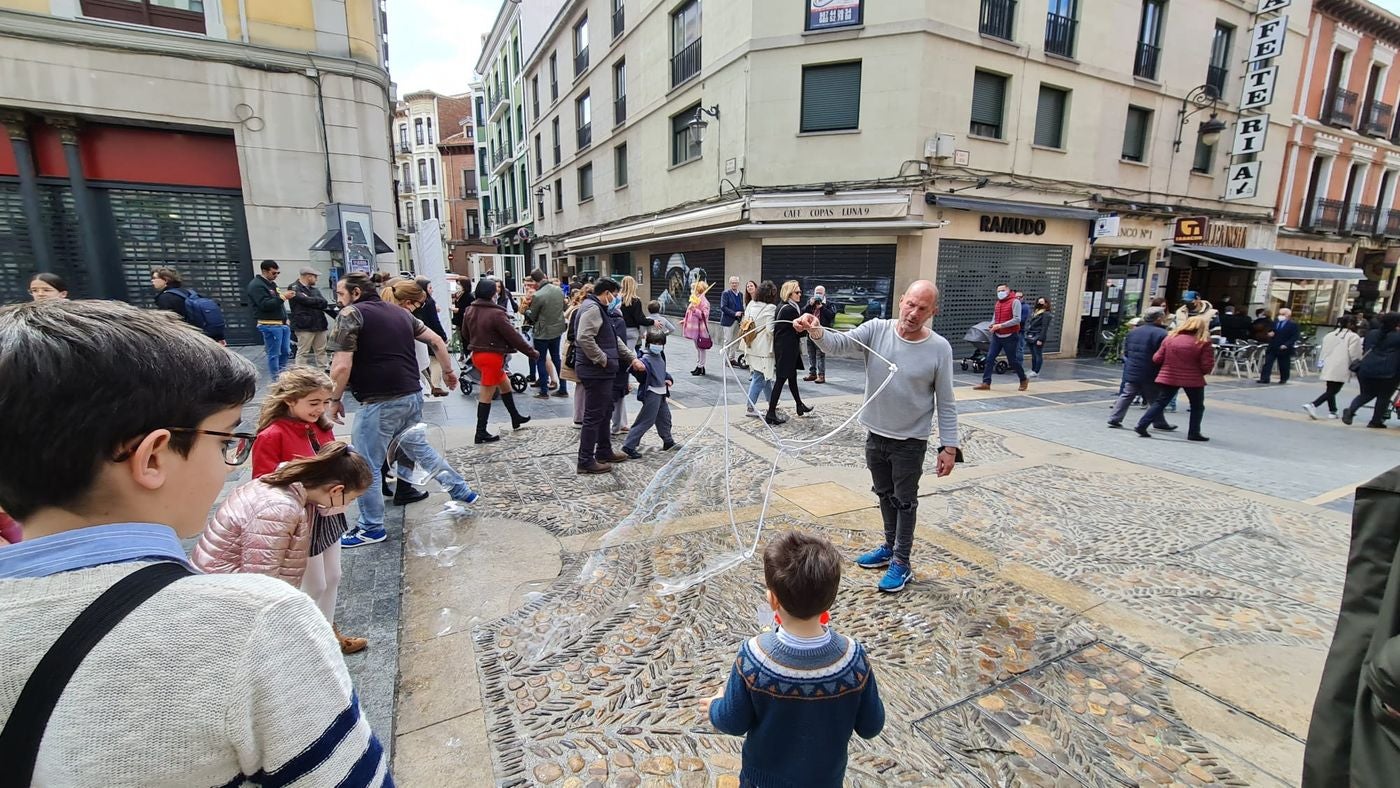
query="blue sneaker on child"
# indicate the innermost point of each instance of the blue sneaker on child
(875, 559)
(358, 537)
(896, 578)
(463, 494)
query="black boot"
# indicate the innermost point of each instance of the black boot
(405, 494)
(384, 487)
(516, 420)
(483, 412)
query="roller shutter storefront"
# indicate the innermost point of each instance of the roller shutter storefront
(968, 275)
(853, 274)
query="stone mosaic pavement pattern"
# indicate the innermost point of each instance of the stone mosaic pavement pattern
(595, 679)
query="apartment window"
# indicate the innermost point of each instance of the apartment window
(436, 215)
(432, 172)
(831, 97)
(997, 18)
(1135, 134)
(422, 172)
(583, 117)
(988, 102)
(619, 18)
(1050, 117)
(418, 130)
(430, 131)
(1060, 26)
(619, 92)
(535, 96)
(427, 209)
(403, 138)
(685, 42)
(1149, 43)
(1219, 69)
(186, 15)
(683, 149)
(408, 217)
(581, 46)
(558, 194)
(407, 179)
(554, 127)
(539, 155)
(553, 76)
(585, 182)
(1204, 159)
(620, 165)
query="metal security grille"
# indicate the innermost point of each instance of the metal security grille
(968, 275)
(853, 274)
(16, 260)
(199, 235)
(17, 263)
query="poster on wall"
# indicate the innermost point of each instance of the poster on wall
(357, 230)
(832, 14)
(674, 274)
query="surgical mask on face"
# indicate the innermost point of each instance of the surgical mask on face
(334, 508)
(655, 350)
(1002, 294)
(615, 306)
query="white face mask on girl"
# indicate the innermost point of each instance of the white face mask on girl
(334, 508)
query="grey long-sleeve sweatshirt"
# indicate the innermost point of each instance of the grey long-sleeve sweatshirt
(923, 383)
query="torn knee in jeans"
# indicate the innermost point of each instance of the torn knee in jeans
(894, 502)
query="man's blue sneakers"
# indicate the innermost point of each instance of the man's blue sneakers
(879, 557)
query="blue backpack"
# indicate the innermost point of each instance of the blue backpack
(203, 312)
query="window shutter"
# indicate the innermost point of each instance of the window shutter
(988, 94)
(831, 97)
(1050, 117)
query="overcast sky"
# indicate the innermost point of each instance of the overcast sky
(434, 44)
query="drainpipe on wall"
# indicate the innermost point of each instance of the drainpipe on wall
(243, 19)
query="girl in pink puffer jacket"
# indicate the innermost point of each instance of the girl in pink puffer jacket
(264, 526)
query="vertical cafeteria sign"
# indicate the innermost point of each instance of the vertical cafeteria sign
(1260, 79)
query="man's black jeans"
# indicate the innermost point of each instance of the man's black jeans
(895, 468)
(595, 441)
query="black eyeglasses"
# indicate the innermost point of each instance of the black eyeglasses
(236, 446)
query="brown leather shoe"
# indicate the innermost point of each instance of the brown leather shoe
(810, 378)
(821, 378)
(617, 457)
(595, 467)
(349, 645)
(982, 387)
(1025, 384)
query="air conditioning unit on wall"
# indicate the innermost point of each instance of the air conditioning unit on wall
(939, 146)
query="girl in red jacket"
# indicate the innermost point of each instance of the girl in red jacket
(292, 425)
(1185, 358)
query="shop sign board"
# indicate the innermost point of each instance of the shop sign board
(1250, 134)
(1265, 44)
(833, 14)
(1106, 226)
(1011, 225)
(1267, 41)
(1259, 88)
(1242, 181)
(831, 212)
(1191, 230)
(1269, 6)
(1230, 236)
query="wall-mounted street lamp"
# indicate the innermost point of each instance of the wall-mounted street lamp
(1203, 97)
(698, 124)
(539, 193)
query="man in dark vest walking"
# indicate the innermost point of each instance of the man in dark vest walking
(374, 359)
(599, 354)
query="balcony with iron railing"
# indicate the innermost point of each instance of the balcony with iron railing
(404, 147)
(1361, 220)
(406, 187)
(410, 227)
(1340, 108)
(619, 110)
(585, 135)
(619, 21)
(1059, 34)
(1215, 79)
(1324, 215)
(1392, 225)
(686, 63)
(581, 62)
(499, 106)
(1378, 119)
(1145, 64)
(997, 18)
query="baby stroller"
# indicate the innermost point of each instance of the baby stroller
(980, 336)
(469, 378)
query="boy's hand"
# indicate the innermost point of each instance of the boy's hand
(705, 704)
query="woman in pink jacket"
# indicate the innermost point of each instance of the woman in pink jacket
(1185, 357)
(264, 526)
(695, 325)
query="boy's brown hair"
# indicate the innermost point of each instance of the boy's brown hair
(803, 571)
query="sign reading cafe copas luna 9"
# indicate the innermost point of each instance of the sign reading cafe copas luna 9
(1261, 77)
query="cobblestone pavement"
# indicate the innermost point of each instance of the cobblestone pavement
(1088, 607)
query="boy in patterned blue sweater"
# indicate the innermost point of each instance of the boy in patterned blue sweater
(798, 692)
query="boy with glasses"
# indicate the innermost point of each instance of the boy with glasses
(122, 666)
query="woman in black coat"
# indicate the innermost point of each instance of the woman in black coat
(1379, 373)
(787, 351)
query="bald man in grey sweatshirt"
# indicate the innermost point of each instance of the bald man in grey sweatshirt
(900, 419)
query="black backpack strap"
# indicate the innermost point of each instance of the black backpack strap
(24, 730)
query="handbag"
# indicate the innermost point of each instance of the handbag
(747, 332)
(704, 342)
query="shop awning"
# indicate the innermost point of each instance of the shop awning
(1037, 210)
(1282, 264)
(333, 241)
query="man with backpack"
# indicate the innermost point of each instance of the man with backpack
(199, 311)
(270, 313)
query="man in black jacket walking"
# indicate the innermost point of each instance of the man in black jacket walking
(309, 320)
(270, 313)
(1139, 370)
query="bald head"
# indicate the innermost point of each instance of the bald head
(918, 305)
